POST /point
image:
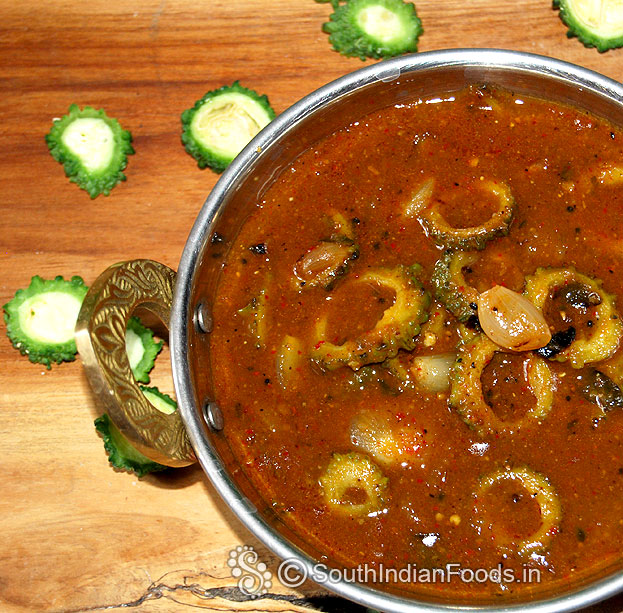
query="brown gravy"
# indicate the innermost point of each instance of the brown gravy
(286, 423)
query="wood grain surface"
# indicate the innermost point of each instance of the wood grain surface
(74, 534)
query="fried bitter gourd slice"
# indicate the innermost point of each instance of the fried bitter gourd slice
(451, 288)
(473, 237)
(221, 123)
(346, 478)
(596, 23)
(40, 319)
(466, 394)
(121, 453)
(538, 487)
(397, 328)
(374, 28)
(141, 348)
(92, 147)
(607, 329)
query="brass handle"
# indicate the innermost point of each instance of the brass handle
(100, 338)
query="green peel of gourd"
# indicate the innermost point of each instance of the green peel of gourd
(228, 122)
(163, 402)
(374, 28)
(141, 349)
(596, 23)
(121, 453)
(41, 319)
(222, 123)
(92, 147)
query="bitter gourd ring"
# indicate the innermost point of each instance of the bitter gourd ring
(474, 237)
(466, 396)
(607, 329)
(538, 487)
(451, 288)
(597, 24)
(396, 329)
(353, 471)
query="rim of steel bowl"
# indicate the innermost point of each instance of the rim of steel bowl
(479, 63)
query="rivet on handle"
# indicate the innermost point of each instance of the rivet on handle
(213, 416)
(203, 318)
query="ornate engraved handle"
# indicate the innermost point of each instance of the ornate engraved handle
(100, 337)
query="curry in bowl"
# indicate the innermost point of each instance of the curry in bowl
(416, 345)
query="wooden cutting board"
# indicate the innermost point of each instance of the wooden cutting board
(76, 535)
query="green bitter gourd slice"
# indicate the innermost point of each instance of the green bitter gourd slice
(374, 28)
(397, 328)
(596, 23)
(473, 237)
(121, 453)
(141, 348)
(221, 124)
(353, 471)
(40, 319)
(467, 398)
(607, 329)
(92, 147)
(538, 487)
(451, 288)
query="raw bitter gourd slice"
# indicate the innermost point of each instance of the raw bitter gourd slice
(221, 123)
(40, 319)
(121, 454)
(374, 28)
(92, 147)
(596, 23)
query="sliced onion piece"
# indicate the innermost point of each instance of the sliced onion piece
(511, 321)
(290, 357)
(386, 443)
(325, 263)
(420, 199)
(432, 372)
